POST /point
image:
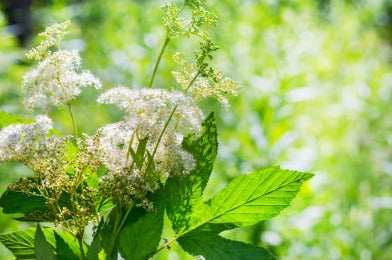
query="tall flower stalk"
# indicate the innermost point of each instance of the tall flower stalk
(177, 27)
(166, 42)
(75, 129)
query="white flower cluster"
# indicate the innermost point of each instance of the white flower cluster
(18, 139)
(214, 85)
(57, 79)
(52, 37)
(148, 111)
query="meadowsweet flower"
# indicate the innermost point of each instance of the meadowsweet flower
(115, 139)
(18, 139)
(56, 81)
(52, 37)
(147, 111)
(211, 84)
(58, 78)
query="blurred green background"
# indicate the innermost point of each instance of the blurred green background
(317, 96)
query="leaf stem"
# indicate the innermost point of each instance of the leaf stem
(158, 61)
(164, 246)
(73, 120)
(81, 246)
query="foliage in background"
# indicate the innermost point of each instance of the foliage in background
(317, 80)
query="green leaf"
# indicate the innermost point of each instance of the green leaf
(67, 247)
(21, 243)
(251, 198)
(8, 119)
(14, 202)
(92, 179)
(183, 192)
(95, 250)
(138, 156)
(43, 249)
(101, 171)
(103, 236)
(71, 152)
(213, 247)
(141, 235)
(18, 202)
(105, 205)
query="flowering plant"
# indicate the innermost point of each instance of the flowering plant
(124, 178)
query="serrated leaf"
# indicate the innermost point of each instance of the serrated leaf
(19, 202)
(142, 234)
(103, 237)
(251, 198)
(43, 250)
(8, 119)
(184, 192)
(66, 246)
(21, 243)
(209, 246)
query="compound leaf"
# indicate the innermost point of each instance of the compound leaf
(184, 192)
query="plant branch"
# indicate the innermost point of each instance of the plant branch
(167, 123)
(116, 230)
(73, 120)
(122, 222)
(80, 240)
(158, 61)
(160, 137)
(192, 81)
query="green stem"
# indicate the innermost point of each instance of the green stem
(116, 231)
(160, 137)
(122, 222)
(158, 61)
(80, 240)
(167, 123)
(192, 81)
(73, 120)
